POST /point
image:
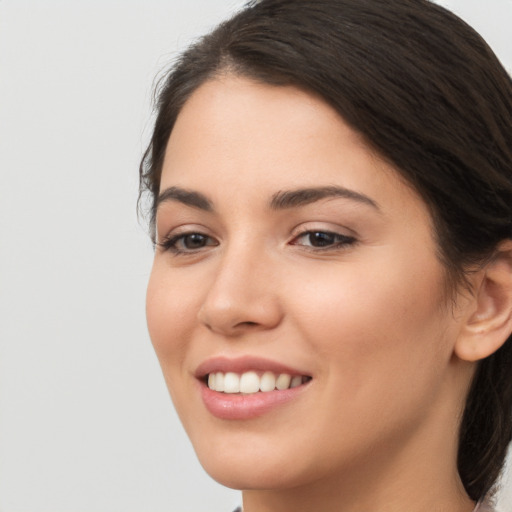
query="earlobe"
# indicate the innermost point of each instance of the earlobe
(489, 325)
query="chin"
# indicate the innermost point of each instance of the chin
(258, 462)
(253, 474)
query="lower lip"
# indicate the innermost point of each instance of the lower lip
(244, 407)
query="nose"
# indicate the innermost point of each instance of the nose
(243, 296)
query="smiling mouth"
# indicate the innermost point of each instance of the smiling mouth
(251, 382)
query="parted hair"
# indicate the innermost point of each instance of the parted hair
(429, 95)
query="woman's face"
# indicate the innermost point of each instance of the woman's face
(286, 247)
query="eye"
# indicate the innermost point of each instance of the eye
(184, 243)
(323, 240)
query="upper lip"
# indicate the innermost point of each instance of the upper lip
(243, 364)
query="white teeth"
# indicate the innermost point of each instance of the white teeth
(250, 382)
(283, 381)
(296, 381)
(219, 382)
(231, 383)
(268, 382)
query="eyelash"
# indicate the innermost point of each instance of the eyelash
(171, 243)
(336, 241)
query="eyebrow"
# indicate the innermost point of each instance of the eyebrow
(294, 198)
(281, 200)
(188, 197)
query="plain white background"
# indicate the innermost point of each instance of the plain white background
(85, 421)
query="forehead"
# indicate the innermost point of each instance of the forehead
(245, 136)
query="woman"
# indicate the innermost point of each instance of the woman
(331, 295)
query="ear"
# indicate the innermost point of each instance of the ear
(489, 322)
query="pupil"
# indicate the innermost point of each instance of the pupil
(194, 241)
(319, 239)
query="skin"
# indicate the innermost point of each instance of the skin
(368, 320)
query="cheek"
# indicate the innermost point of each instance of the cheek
(381, 328)
(169, 313)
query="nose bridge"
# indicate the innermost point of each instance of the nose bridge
(243, 291)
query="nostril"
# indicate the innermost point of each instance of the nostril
(247, 324)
